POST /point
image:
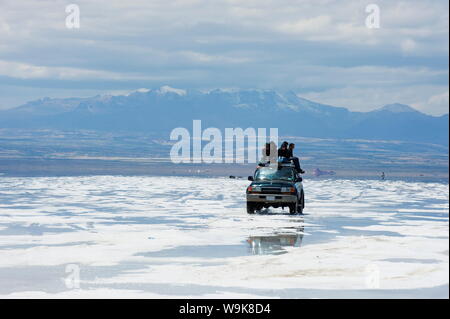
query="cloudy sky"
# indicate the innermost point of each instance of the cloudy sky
(321, 49)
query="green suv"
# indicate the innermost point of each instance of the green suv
(275, 186)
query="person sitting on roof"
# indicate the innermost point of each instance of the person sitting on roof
(294, 159)
(283, 155)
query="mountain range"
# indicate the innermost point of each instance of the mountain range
(161, 110)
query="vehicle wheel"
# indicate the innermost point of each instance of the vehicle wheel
(250, 208)
(301, 205)
(299, 208)
(293, 208)
(303, 199)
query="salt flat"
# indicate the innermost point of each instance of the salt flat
(162, 237)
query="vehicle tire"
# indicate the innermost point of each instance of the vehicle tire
(293, 208)
(250, 208)
(301, 205)
(303, 199)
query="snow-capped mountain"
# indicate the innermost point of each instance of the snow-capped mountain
(161, 110)
(397, 108)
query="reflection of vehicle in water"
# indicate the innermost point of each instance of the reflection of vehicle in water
(276, 186)
(273, 244)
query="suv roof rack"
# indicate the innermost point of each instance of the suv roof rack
(286, 164)
(275, 165)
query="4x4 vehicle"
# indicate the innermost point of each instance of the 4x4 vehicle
(275, 186)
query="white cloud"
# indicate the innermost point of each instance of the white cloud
(366, 76)
(4, 28)
(143, 90)
(408, 46)
(308, 26)
(368, 99)
(320, 45)
(437, 104)
(439, 99)
(208, 58)
(28, 71)
(401, 22)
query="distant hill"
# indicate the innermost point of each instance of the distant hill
(163, 109)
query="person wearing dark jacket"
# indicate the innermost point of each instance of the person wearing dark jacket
(283, 150)
(294, 159)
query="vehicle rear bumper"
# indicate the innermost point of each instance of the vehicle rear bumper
(278, 198)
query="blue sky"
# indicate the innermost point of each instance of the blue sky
(321, 49)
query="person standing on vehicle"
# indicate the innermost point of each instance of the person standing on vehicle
(294, 159)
